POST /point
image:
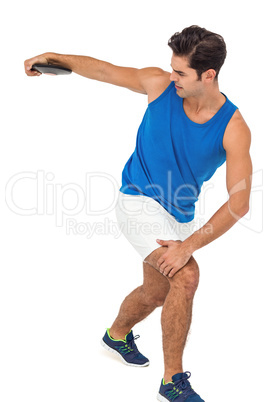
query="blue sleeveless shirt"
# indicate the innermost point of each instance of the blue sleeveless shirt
(174, 155)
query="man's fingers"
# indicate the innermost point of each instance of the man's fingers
(165, 242)
(31, 73)
(42, 59)
(160, 261)
(162, 242)
(172, 272)
(168, 270)
(164, 268)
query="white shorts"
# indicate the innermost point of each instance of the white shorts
(142, 220)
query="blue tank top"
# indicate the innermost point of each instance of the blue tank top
(174, 155)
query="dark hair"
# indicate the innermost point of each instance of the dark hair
(203, 48)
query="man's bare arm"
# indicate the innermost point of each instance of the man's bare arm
(238, 180)
(143, 80)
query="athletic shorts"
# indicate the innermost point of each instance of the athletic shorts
(142, 220)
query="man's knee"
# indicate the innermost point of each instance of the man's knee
(187, 278)
(157, 300)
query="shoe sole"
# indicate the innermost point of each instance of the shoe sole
(161, 398)
(123, 360)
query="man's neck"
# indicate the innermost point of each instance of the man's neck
(209, 101)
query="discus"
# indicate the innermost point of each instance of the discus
(51, 69)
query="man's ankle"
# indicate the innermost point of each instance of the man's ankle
(167, 379)
(169, 374)
(116, 334)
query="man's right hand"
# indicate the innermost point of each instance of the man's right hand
(41, 59)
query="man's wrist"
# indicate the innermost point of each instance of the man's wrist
(51, 57)
(188, 245)
(59, 59)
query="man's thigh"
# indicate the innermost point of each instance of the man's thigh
(154, 256)
(153, 279)
(155, 285)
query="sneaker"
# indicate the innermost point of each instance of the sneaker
(126, 349)
(179, 390)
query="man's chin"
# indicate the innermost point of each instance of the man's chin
(180, 94)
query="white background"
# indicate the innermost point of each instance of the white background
(58, 290)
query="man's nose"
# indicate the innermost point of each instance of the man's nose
(172, 76)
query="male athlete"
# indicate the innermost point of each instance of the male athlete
(189, 129)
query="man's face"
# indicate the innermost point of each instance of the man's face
(185, 78)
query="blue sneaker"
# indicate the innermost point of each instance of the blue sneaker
(126, 349)
(179, 390)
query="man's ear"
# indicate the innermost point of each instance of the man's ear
(209, 75)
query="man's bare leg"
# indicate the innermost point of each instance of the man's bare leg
(141, 302)
(176, 294)
(177, 313)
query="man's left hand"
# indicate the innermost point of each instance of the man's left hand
(173, 259)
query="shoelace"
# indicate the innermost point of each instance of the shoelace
(184, 385)
(131, 345)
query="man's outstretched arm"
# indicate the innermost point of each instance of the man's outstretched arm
(238, 180)
(142, 80)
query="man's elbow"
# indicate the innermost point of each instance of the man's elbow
(239, 207)
(243, 210)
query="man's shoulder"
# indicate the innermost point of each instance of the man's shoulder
(237, 131)
(156, 81)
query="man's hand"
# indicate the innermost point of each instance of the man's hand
(42, 59)
(174, 258)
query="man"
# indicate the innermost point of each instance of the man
(189, 129)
